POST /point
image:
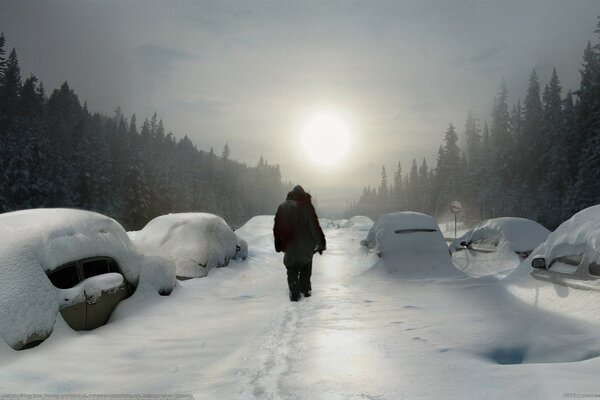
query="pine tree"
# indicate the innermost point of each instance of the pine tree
(226, 154)
(10, 86)
(398, 188)
(473, 135)
(383, 190)
(447, 171)
(555, 179)
(2, 53)
(501, 142)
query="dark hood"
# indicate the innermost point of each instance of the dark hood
(298, 194)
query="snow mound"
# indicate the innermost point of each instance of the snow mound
(258, 233)
(38, 241)
(566, 287)
(497, 246)
(260, 225)
(411, 245)
(195, 242)
(158, 273)
(359, 222)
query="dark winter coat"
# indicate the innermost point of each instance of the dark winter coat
(297, 231)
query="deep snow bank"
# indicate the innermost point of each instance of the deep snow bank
(195, 242)
(38, 241)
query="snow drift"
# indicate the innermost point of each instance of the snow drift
(258, 232)
(497, 246)
(195, 242)
(35, 242)
(411, 245)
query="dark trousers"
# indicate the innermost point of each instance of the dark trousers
(298, 276)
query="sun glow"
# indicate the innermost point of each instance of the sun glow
(326, 139)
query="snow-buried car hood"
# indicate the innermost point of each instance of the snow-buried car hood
(195, 242)
(37, 241)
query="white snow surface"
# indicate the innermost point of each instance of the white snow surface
(404, 249)
(195, 242)
(578, 235)
(235, 335)
(358, 222)
(39, 240)
(512, 234)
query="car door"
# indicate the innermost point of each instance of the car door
(90, 289)
(100, 301)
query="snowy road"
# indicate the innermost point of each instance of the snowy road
(235, 335)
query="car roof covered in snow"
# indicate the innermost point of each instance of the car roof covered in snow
(405, 220)
(57, 236)
(519, 234)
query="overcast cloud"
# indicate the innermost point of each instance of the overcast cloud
(251, 73)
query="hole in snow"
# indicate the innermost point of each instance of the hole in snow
(525, 355)
(507, 355)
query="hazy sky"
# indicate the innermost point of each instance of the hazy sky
(251, 74)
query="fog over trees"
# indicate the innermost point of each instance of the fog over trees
(538, 158)
(54, 152)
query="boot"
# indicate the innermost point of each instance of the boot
(294, 292)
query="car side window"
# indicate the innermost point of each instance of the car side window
(65, 277)
(594, 269)
(573, 260)
(94, 268)
(113, 267)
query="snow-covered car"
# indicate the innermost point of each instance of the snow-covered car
(410, 243)
(195, 242)
(496, 246)
(78, 263)
(571, 254)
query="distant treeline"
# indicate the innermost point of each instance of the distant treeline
(55, 153)
(538, 159)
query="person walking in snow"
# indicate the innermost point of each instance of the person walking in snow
(298, 234)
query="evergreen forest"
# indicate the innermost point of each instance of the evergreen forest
(54, 152)
(538, 158)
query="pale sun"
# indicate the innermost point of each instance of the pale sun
(326, 139)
